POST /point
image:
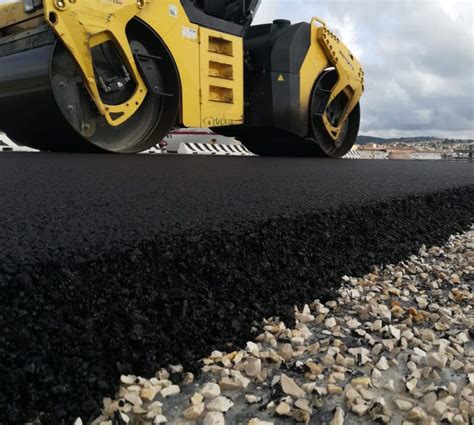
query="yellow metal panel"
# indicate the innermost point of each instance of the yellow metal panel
(314, 63)
(170, 22)
(193, 49)
(13, 13)
(351, 76)
(222, 87)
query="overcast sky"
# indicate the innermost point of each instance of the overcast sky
(418, 57)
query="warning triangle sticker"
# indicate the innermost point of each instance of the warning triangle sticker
(280, 78)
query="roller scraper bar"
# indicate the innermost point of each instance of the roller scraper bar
(349, 70)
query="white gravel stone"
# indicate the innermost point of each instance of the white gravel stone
(133, 399)
(252, 399)
(352, 394)
(382, 364)
(438, 360)
(149, 394)
(125, 418)
(452, 388)
(290, 387)
(229, 384)
(377, 325)
(214, 418)
(411, 385)
(196, 399)
(242, 381)
(283, 409)
(360, 409)
(428, 335)
(253, 367)
(419, 352)
(253, 348)
(338, 418)
(286, 352)
(128, 379)
(384, 313)
(170, 391)
(304, 405)
(439, 408)
(194, 412)
(353, 324)
(395, 332)
(256, 421)
(456, 364)
(297, 341)
(210, 390)
(235, 382)
(416, 414)
(376, 374)
(219, 404)
(389, 385)
(403, 405)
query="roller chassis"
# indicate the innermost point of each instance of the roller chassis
(261, 84)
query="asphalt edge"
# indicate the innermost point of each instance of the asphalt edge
(70, 329)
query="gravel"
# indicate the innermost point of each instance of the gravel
(395, 346)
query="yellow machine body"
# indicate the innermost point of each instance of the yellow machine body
(209, 63)
(13, 13)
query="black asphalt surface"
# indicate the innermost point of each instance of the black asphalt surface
(53, 204)
(122, 264)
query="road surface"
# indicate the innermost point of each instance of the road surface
(122, 264)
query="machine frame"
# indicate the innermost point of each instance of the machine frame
(219, 84)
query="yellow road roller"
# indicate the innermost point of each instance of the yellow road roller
(119, 75)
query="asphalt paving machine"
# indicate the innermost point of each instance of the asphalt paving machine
(118, 75)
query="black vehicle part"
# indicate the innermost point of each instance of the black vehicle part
(215, 8)
(274, 54)
(112, 76)
(238, 11)
(149, 70)
(216, 20)
(274, 142)
(334, 111)
(25, 40)
(275, 122)
(32, 5)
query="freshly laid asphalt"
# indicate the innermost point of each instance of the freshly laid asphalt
(123, 264)
(53, 204)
